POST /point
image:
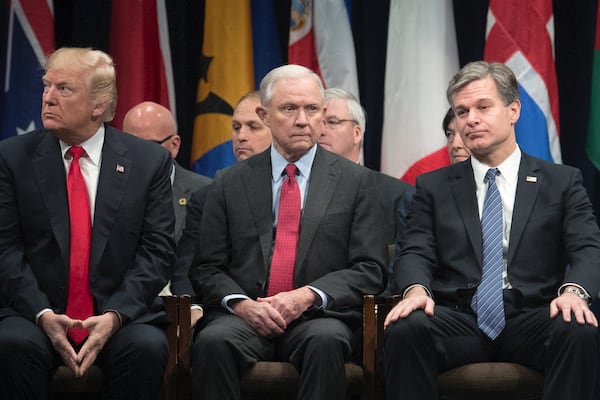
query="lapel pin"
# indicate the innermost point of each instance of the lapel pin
(182, 201)
(532, 179)
(120, 169)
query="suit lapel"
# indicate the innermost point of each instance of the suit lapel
(257, 182)
(323, 179)
(527, 192)
(50, 172)
(112, 182)
(463, 190)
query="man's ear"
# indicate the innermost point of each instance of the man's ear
(99, 109)
(262, 114)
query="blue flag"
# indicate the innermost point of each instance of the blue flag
(30, 37)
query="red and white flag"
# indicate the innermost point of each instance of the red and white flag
(321, 39)
(521, 35)
(139, 45)
(422, 57)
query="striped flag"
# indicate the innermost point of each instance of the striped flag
(422, 57)
(593, 139)
(227, 74)
(521, 35)
(30, 40)
(321, 39)
(139, 45)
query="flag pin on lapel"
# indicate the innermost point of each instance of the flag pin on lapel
(532, 179)
(120, 169)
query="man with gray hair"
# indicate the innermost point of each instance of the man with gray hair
(86, 241)
(344, 125)
(483, 267)
(288, 246)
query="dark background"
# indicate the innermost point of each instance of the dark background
(87, 23)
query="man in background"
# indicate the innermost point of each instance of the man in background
(153, 122)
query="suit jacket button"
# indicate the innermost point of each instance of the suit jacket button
(470, 285)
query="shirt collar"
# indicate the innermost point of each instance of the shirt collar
(92, 146)
(509, 168)
(304, 164)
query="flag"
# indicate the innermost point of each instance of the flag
(321, 39)
(593, 138)
(265, 39)
(520, 34)
(422, 57)
(139, 45)
(30, 40)
(227, 74)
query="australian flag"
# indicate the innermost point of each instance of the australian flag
(28, 40)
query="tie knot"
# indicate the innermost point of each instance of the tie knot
(291, 170)
(491, 174)
(76, 152)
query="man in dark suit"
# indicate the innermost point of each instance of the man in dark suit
(127, 239)
(463, 303)
(339, 255)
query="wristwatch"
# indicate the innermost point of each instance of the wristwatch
(578, 292)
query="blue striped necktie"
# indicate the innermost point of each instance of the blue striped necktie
(488, 302)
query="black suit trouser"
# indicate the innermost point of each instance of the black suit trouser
(133, 361)
(225, 347)
(419, 347)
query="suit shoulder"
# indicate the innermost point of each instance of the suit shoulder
(196, 179)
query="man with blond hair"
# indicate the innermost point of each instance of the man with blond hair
(86, 226)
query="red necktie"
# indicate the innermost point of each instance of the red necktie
(80, 303)
(281, 277)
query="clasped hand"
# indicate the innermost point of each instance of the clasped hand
(270, 316)
(100, 328)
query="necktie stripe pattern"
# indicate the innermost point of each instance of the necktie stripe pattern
(80, 303)
(488, 301)
(281, 276)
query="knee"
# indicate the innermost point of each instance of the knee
(585, 336)
(405, 330)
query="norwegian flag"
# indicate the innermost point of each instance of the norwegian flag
(30, 39)
(521, 35)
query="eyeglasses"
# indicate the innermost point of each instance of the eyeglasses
(164, 140)
(335, 122)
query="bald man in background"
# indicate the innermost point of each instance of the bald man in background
(153, 122)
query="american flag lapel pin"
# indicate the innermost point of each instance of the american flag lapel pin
(532, 179)
(120, 169)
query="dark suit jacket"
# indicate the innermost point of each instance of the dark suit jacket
(188, 242)
(132, 246)
(184, 184)
(341, 248)
(552, 226)
(392, 195)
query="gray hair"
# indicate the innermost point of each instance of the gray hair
(506, 82)
(354, 108)
(283, 72)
